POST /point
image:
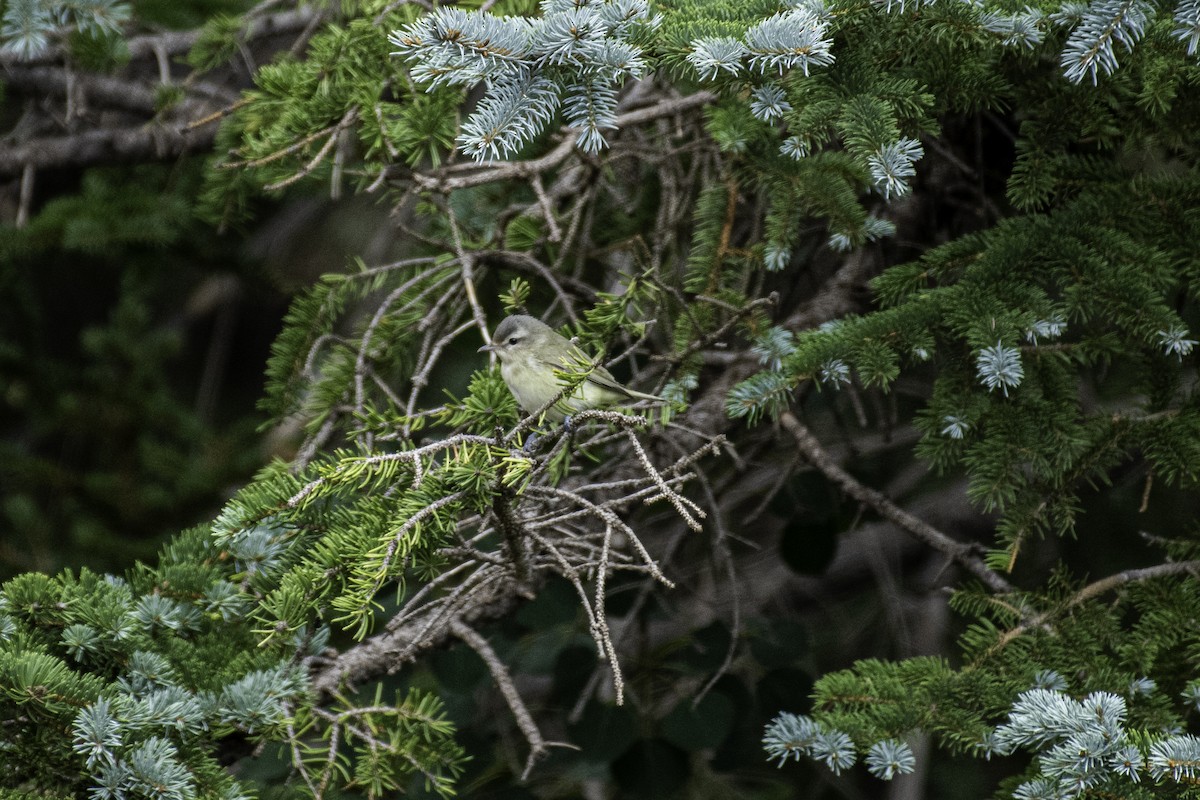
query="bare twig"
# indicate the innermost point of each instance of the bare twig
(684, 507)
(537, 745)
(467, 268)
(26, 196)
(555, 233)
(962, 553)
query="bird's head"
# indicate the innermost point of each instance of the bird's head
(518, 337)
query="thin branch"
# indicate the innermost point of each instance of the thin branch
(461, 176)
(504, 681)
(348, 119)
(601, 620)
(683, 506)
(467, 268)
(555, 233)
(1093, 590)
(526, 263)
(25, 200)
(962, 553)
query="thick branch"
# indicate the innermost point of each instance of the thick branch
(150, 142)
(45, 76)
(386, 651)
(107, 90)
(964, 554)
(175, 43)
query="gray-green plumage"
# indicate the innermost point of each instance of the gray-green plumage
(530, 351)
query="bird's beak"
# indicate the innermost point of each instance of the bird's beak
(488, 348)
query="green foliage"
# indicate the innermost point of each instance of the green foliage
(29, 26)
(309, 336)
(1070, 293)
(1108, 650)
(348, 82)
(100, 435)
(131, 672)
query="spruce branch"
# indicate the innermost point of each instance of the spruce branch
(1090, 49)
(452, 46)
(1015, 30)
(794, 39)
(462, 176)
(572, 531)
(348, 119)
(1187, 15)
(892, 165)
(1094, 590)
(573, 53)
(966, 555)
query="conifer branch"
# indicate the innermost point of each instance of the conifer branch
(348, 119)
(461, 176)
(962, 553)
(385, 652)
(1094, 590)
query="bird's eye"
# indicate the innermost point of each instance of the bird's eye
(513, 340)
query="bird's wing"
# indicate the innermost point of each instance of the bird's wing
(603, 379)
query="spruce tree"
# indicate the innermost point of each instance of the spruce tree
(943, 233)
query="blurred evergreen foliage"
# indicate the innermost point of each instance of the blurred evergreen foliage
(1024, 181)
(111, 297)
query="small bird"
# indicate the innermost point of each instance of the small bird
(530, 351)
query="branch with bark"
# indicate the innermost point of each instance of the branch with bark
(123, 117)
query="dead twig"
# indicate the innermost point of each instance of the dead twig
(964, 554)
